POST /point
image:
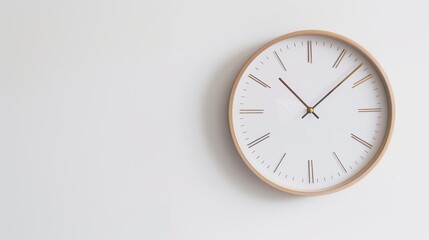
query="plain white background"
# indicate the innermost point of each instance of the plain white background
(113, 121)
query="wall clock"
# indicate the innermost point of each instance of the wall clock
(311, 112)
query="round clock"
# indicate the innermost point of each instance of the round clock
(311, 112)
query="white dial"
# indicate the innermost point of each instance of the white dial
(311, 112)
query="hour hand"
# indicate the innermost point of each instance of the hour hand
(309, 109)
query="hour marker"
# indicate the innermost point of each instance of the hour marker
(258, 140)
(280, 162)
(369, 110)
(369, 76)
(259, 81)
(310, 171)
(278, 58)
(338, 61)
(339, 161)
(251, 111)
(309, 52)
(365, 143)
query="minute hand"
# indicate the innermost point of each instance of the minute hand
(333, 89)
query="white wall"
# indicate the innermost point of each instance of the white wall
(113, 121)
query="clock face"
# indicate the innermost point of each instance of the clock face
(311, 112)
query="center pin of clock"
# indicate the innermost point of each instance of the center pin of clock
(310, 110)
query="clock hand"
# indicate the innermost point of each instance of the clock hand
(333, 89)
(309, 109)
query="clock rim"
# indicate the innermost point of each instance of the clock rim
(389, 128)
